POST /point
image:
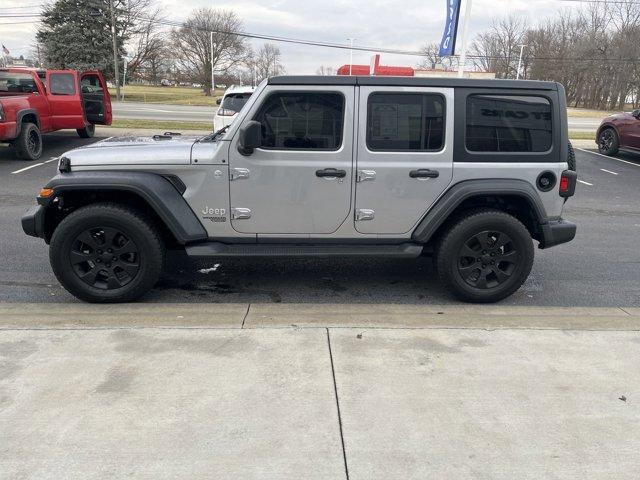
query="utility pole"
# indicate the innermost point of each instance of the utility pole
(520, 62)
(351, 55)
(465, 31)
(116, 68)
(213, 77)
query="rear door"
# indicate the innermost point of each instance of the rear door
(405, 155)
(63, 93)
(95, 98)
(299, 181)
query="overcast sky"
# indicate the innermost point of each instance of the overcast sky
(404, 24)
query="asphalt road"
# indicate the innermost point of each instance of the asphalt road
(152, 111)
(601, 267)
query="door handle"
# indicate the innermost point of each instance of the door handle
(424, 173)
(331, 173)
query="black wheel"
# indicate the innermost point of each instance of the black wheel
(28, 145)
(485, 257)
(87, 132)
(571, 158)
(106, 253)
(608, 142)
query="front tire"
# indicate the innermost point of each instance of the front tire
(608, 142)
(87, 132)
(28, 145)
(485, 256)
(106, 253)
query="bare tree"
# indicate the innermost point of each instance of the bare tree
(148, 50)
(267, 62)
(431, 52)
(193, 44)
(322, 70)
(498, 49)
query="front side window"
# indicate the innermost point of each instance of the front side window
(508, 123)
(302, 120)
(405, 121)
(62, 84)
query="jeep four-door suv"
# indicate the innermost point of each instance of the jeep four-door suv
(468, 171)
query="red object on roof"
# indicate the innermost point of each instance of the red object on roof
(377, 69)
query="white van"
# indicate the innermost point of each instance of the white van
(230, 104)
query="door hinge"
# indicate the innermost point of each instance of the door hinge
(364, 214)
(238, 173)
(239, 213)
(364, 175)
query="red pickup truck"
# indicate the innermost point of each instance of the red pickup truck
(33, 102)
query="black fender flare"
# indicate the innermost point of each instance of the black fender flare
(21, 114)
(157, 191)
(460, 192)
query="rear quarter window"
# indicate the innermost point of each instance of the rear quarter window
(508, 123)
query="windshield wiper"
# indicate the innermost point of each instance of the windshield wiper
(220, 132)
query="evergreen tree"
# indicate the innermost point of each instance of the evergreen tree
(77, 34)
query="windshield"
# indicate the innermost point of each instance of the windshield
(12, 83)
(235, 101)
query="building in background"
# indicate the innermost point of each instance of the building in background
(385, 70)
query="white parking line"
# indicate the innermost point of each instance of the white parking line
(608, 171)
(610, 158)
(28, 168)
(586, 183)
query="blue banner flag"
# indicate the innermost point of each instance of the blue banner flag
(448, 43)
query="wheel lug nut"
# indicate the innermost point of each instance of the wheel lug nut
(493, 262)
(100, 252)
(98, 260)
(108, 264)
(114, 259)
(110, 251)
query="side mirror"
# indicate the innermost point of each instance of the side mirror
(219, 101)
(250, 137)
(636, 113)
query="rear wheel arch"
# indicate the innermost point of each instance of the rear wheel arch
(515, 197)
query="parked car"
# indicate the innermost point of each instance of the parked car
(468, 171)
(231, 103)
(33, 102)
(619, 131)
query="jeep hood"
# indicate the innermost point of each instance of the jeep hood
(154, 150)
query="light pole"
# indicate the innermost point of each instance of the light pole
(350, 55)
(213, 77)
(465, 31)
(116, 68)
(520, 62)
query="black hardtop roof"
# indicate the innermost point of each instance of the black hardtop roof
(411, 82)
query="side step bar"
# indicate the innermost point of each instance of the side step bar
(217, 249)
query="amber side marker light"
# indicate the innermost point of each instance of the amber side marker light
(46, 193)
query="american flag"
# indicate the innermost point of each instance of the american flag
(5, 50)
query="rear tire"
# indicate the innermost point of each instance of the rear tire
(608, 142)
(571, 158)
(485, 256)
(87, 132)
(28, 144)
(106, 253)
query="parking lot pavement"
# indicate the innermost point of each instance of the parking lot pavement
(142, 393)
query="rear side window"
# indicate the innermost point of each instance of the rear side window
(62, 84)
(235, 101)
(302, 121)
(405, 122)
(508, 123)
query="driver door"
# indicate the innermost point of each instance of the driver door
(299, 180)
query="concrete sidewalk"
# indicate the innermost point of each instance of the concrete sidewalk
(235, 391)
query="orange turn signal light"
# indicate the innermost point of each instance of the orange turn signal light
(46, 193)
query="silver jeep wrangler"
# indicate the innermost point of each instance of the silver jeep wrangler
(468, 171)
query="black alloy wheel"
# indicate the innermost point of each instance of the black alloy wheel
(105, 258)
(34, 143)
(487, 259)
(608, 143)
